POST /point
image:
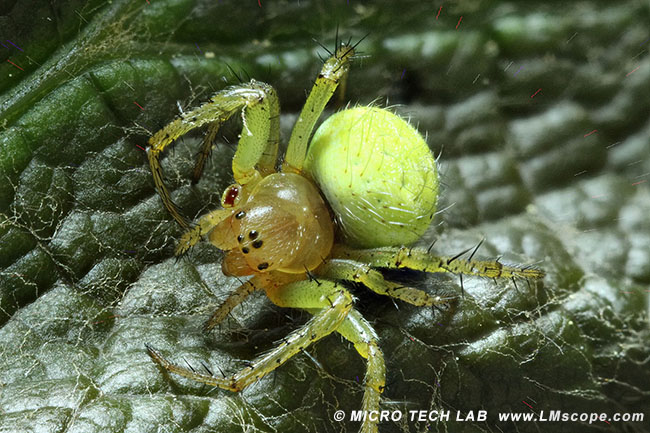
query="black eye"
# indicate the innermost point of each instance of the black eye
(244, 250)
(240, 238)
(262, 266)
(253, 234)
(257, 243)
(241, 214)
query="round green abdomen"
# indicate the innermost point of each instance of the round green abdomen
(377, 174)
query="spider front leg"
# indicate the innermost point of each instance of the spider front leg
(333, 73)
(203, 226)
(234, 298)
(420, 260)
(258, 145)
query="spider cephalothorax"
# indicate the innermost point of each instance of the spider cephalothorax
(381, 185)
(283, 225)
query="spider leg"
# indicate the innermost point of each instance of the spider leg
(418, 259)
(362, 273)
(357, 330)
(354, 328)
(204, 153)
(203, 226)
(260, 110)
(333, 304)
(235, 298)
(333, 73)
(361, 334)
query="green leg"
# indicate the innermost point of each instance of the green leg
(267, 162)
(260, 134)
(259, 137)
(235, 298)
(359, 332)
(204, 153)
(339, 269)
(203, 226)
(334, 302)
(305, 294)
(334, 72)
(420, 260)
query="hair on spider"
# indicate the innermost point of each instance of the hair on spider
(178, 209)
(211, 86)
(323, 47)
(205, 367)
(221, 371)
(394, 303)
(514, 282)
(462, 286)
(185, 255)
(431, 246)
(235, 75)
(353, 47)
(311, 276)
(338, 43)
(275, 117)
(198, 170)
(247, 74)
(449, 261)
(189, 365)
(476, 249)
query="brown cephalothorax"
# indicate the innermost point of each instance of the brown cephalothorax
(283, 225)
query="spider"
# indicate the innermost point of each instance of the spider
(339, 207)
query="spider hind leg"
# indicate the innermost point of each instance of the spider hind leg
(420, 260)
(351, 270)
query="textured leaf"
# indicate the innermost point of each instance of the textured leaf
(541, 115)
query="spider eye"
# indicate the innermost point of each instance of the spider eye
(230, 195)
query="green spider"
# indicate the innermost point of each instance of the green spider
(338, 208)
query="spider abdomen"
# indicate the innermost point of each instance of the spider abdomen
(377, 174)
(284, 225)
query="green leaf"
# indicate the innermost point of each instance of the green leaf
(559, 175)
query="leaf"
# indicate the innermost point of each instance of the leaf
(558, 175)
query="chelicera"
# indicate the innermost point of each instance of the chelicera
(341, 205)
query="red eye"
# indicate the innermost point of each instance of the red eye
(230, 196)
